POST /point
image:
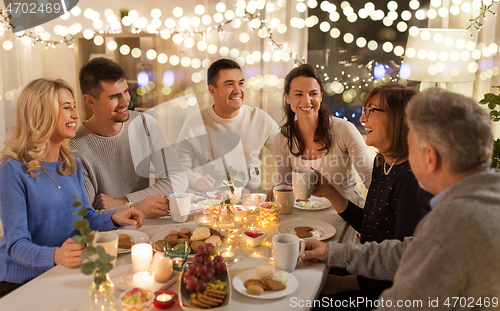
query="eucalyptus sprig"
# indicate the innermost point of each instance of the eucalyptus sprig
(232, 178)
(99, 266)
(493, 100)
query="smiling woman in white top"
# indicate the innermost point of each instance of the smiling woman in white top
(312, 137)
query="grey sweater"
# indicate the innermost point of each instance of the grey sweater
(119, 166)
(455, 252)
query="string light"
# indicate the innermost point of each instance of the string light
(474, 22)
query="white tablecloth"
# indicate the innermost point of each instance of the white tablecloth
(63, 288)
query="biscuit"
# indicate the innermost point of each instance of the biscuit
(190, 305)
(159, 245)
(124, 241)
(255, 290)
(211, 299)
(195, 245)
(271, 285)
(171, 237)
(183, 235)
(200, 304)
(303, 228)
(215, 293)
(304, 234)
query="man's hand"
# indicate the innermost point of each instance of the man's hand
(205, 183)
(130, 216)
(103, 201)
(153, 206)
(68, 254)
(315, 250)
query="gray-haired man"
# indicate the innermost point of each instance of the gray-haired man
(452, 260)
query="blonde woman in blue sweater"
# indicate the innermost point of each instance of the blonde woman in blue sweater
(39, 175)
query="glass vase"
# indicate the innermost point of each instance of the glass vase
(102, 293)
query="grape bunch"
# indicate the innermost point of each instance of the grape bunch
(203, 269)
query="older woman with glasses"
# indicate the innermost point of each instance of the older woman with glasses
(395, 203)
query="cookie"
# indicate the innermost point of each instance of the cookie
(255, 290)
(217, 233)
(171, 237)
(159, 245)
(304, 234)
(195, 245)
(182, 235)
(186, 231)
(124, 241)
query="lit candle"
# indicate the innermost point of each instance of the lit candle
(164, 297)
(228, 256)
(143, 279)
(177, 263)
(142, 254)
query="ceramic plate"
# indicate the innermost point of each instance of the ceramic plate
(133, 234)
(321, 229)
(322, 202)
(184, 295)
(125, 281)
(239, 281)
(161, 235)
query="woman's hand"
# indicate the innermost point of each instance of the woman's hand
(323, 188)
(68, 254)
(130, 216)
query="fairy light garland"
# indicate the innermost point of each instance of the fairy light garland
(475, 22)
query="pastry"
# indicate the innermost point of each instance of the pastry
(217, 233)
(186, 231)
(201, 233)
(213, 239)
(255, 290)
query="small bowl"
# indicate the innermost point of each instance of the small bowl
(240, 211)
(254, 242)
(165, 304)
(144, 306)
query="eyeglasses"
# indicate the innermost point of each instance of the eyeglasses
(367, 110)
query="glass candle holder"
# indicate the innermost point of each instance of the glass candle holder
(204, 218)
(251, 201)
(178, 251)
(226, 218)
(165, 299)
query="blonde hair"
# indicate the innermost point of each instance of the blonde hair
(36, 117)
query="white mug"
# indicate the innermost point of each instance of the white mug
(108, 240)
(286, 251)
(303, 183)
(283, 195)
(180, 204)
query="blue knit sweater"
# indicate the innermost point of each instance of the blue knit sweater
(37, 218)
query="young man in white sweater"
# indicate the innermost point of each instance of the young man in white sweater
(115, 150)
(228, 133)
(452, 260)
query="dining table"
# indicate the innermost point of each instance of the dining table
(67, 289)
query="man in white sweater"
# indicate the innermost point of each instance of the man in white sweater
(452, 261)
(225, 134)
(117, 146)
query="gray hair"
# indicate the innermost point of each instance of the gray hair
(454, 125)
